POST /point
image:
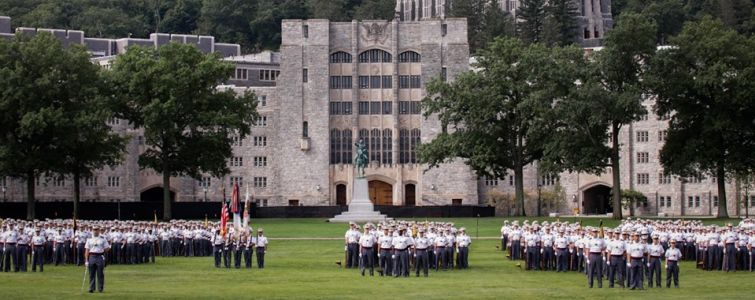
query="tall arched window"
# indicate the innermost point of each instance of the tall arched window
(375, 145)
(335, 147)
(340, 57)
(346, 145)
(415, 140)
(387, 147)
(409, 57)
(403, 146)
(375, 56)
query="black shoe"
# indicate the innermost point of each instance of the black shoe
(91, 291)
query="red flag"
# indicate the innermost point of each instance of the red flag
(223, 218)
(235, 198)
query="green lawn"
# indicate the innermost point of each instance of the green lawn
(306, 269)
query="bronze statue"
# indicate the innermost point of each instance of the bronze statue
(361, 159)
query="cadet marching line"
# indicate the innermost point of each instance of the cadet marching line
(563, 246)
(397, 247)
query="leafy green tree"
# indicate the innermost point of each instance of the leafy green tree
(704, 81)
(560, 27)
(179, 16)
(532, 16)
(496, 119)
(333, 10)
(229, 21)
(266, 24)
(40, 82)
(485, 21)
(609, 98)
(188, 123)
(375, 10)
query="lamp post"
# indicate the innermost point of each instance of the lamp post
(205, 193)
(539, 189)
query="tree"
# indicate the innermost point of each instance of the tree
(560, 27)
(179, 16)
(609, 97)
(531, 15)
(704, 82)
(485, 21)
(333, 10)
(495, 119)
(669, 15)
(229, 21)
(188, 123)
(40, 80)
(266, 24)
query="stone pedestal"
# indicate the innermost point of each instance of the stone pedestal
(360, 208)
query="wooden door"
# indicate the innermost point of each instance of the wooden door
(341, 194)
(381, 193)
(409, 193)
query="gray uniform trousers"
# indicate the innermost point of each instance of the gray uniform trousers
(635, 273)
(385, 262)
(616, 270)
(10, 253)
(463, 257)
(672, 272)
(595, 269)
(96, 270)
(655, 271)
(422, 261)
(38, 258)
(367, 257)
(401, 267)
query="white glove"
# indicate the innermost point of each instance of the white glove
(86, 264)
(345, 248)
(648, 265)
(608, 262)
(393, 256)
(360, 254)
(571, 251)
(629, 265)
(604, 258)
(415, 255)
(541, 251)
(588, 261)
(667, 266)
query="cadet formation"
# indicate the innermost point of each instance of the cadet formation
(634, 251)
(234, 244)
(399, 248)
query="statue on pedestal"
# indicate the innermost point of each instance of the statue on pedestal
(361, 159)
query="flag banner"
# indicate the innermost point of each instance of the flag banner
(223, 218)
(246, 208)
(235, 198)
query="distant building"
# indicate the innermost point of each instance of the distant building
(594, 16)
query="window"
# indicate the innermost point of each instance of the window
(664, 178)
(444, 74)
(511, 180)
(305, 31)
(260, 161)
(664, 117)
(661, 201)
(697, 201)
(456, 202)
(89, 181)
(268, 75)
(237, 141)
(752, 201)
(404, 108)
(643, 178)
(261, 202)
(340, 57)
(409, 56)
(305, 129)
(387, 107)
(260, 141)
(690, 201)
(403, 82)
(443, 29)
(644, 117)
(715, 201)
(403, 146)
(204, 182)
(335, 146)
(59, 181)
(340, 82)
(387, 82)
(346, 145)
(668, 201)
(387, 146)
(340, 108)
(305, 75)
(237, 161)
(696, 179)
(236, 180)
(643, 157)
(261, 122)
(415, 81)
(364, 82)
(260, 182)
(241, 74)
(549, 179)
(375, 142)
(416, 107)
(642, 136)
(375, 56)
(662, 135)
(375, 82)
(375, 107)
(415, 141)
(113, 181)
(113, 121)
(491, 181)
(293, 202)
(364, 107)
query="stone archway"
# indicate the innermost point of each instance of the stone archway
(155, 194)
(381, 192)
(341, 194)
(596, 200)
(410, 192)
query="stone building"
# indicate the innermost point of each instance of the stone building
(334, 83)
(594, 17)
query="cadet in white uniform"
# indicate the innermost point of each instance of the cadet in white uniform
(261, 245)
(635, 253)
(673, 255)
(38, 251)
(95, 249)
(655, 254)
(351, 241)
(366, 255)
(422, 258)
(462, 242)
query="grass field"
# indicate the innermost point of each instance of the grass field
(306, 269)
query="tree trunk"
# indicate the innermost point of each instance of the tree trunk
(166, 195)
(519, 187)
(76, 193)
(30, 205)
(616, 172)
(632, 204)
(721, 180)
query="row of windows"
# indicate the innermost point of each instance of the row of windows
(375, 56)
(644, 136)
(408, 143)
(258, 182)
(375, 82)
(375, 108)
(340, 82)
(340, 108)
(260, 141)
(409, 82)
(261, 122)
(549, 180)
(378, 147)
(112, 181)
(264, 75)
(340, 146)
(489, 181)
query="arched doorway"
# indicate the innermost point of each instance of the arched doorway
(155, 194)
(597, 200)
(340, 194)
(409, 195)
(381, 193)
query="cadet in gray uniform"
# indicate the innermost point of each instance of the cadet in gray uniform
(462, 242)
(22, 250)
(673, 255)
(366, 255)
(95, 249)
(38, 251)
(261, 245)
(655, 254)
(421, 243)
(635, 253)
(218, 243)
(11, 237)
